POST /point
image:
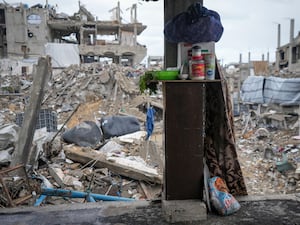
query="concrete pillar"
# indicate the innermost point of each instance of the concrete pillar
(81, 41)
(278, 46)
(119, 13)
(290, 57)
(23, 146)
(292, 27)
(278, 35)
(134, 35)
(171, 9)
(249, 57)
(249, 63)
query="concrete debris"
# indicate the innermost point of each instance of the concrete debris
(8, 135)
(268, 154)
(131, 166)
(112, 147)
(16, 189)
(57, 174)
(8, 138)
(261, 133)
(113, 166)
(127, 165)
(133, 137)
(5, 156)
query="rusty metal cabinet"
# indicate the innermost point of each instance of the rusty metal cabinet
(184, 123)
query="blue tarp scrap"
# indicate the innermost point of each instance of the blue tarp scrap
(252, 89)
(284, 91)
(150, 121)
(271, 90)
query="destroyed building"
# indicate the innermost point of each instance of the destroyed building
(126, 167)
(288, 55)
(286, 66)
(25, 31)
(28, 34)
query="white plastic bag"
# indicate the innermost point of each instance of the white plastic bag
(220, 198)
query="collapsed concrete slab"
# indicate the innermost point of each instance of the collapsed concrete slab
(123, 166)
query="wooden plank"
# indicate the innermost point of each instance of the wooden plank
(115, 164)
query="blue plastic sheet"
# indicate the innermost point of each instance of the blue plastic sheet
(271, 90)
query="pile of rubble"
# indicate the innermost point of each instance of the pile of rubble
(73, 158)
(269, 151)
(122, 164)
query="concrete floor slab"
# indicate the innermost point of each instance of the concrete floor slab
(254, 210)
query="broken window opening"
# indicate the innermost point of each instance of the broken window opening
(294, 55)
(282, 55)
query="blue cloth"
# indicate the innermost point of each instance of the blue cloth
(150, 121)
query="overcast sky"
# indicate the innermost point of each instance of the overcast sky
(249, 26)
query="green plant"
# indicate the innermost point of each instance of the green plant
(149, 82)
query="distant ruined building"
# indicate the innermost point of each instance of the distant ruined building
(25, 31)
(288, 55)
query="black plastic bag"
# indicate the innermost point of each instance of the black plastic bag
(197, 24)
(114, 126)
(85, 134)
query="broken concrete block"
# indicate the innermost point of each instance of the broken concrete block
(5, 156)
(298, 169)
(132, 137)
(69, 180)
(104, 77)
(78, 185)
(8, 135)
(111, 146)
(58, 175)
(73, 182)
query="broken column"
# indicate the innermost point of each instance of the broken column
(23, 146)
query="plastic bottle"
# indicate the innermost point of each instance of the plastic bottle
(197, 68)
(196, 50)
(209, 66)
